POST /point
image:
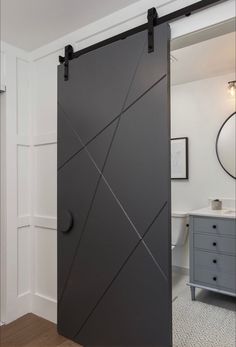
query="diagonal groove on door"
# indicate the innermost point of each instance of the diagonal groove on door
(111, 122)
(144, 93)
(141, 238)
(124, 264)
(77, 135)
(97, 185)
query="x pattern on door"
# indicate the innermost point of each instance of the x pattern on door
(113, 196)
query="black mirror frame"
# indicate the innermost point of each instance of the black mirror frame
(217, 139)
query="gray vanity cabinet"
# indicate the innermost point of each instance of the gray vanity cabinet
(213, 254)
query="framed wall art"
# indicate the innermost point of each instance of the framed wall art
(179, 158)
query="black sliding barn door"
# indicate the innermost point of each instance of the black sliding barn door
(114, 251)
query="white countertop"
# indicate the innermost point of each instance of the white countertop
(207, 212)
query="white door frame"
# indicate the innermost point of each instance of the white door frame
(2, 211)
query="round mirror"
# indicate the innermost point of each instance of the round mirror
(225, 146)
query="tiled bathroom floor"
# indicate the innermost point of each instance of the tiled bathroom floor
(210, 321)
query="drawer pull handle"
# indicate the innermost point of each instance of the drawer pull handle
(214, 278)
(214, 244)
(214, 226)
(214, 261)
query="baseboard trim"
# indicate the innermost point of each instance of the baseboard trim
(20, 307)
(44, 307)
(180, 270)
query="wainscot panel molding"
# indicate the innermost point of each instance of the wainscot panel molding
(45, 222)
(24, 221)
(23, 140)
(15, 147)
(45, 139)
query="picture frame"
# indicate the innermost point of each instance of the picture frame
(179, 158)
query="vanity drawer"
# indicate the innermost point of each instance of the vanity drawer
(216, 226)
(215, 243)
(215, 279)
(215, 262)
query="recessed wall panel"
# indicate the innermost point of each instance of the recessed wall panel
(23, 260)
(23, 157)
(45, 79)
(45, 262)
(45, 173)
(22, 97)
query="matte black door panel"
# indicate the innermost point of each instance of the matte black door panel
(158, 240)
(114, 250)
(152, 67)
(68, 142)
(135, 291)
(101, 254)
(77, 182)
(98, 95)
(138, 158)
(104, 140)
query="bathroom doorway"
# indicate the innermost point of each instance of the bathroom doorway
(202, 100)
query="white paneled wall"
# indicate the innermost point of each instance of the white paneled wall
(45, 281)
(23, 161)
(23, 177)
(45, 70)
(45, 186)
(31, 149)
(23, 261)
(2, 70)
(15, 166)
(45, 182)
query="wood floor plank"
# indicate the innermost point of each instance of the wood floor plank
(32, 331)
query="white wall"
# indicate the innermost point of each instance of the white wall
(38, 283)
(44, 151)
(15, 186)
(198, 109)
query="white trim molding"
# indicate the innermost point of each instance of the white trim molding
(45, 222)
(24, 221)
(45, 139)
(45, 307)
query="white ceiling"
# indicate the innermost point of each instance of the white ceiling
(29, 24)
(206, 59)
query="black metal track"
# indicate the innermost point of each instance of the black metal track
(170, 17)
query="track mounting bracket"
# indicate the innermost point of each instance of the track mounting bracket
(152, 19)
(69, 55)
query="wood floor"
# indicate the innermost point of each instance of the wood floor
(32, 331)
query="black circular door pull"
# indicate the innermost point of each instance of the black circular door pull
(214, 261)
(215, 278)
(65, 221)
(214, 244)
